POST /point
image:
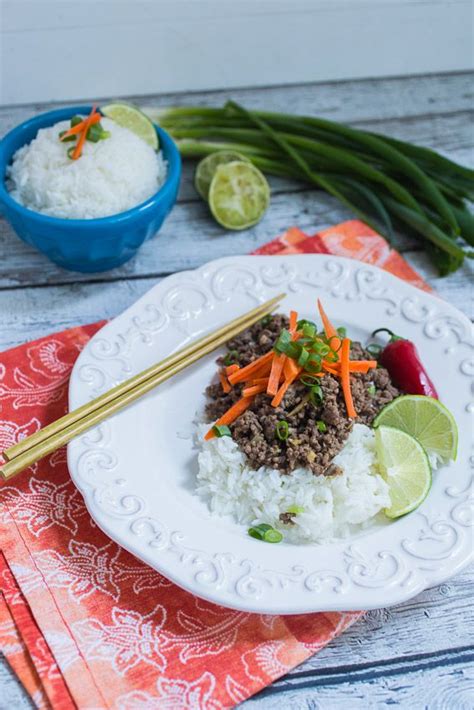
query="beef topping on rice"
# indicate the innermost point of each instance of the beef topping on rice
(306, 445)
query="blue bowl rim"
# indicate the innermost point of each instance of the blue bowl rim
(173, 173)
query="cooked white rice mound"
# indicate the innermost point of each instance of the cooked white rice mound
(332, 506)
(111, 176)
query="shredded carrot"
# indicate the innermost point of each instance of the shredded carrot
(249, 371)
(329, 329)
(345, 378)
(259, 381)
(82, 138)
(276, 401)
(254, 389)
(332, 370)
(362, 365)
(231, 415)
(293, 322)
(275, 373)
(224, 382)
(80, 126)
(230, 369)
(290, 368)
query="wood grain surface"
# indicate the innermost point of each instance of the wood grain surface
(419, 654)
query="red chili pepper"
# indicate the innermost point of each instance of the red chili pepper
(400, 357)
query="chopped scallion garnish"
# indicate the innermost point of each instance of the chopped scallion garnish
(371, 389)
(266, 320)
(295, 509)
(265, 532)
(231, 358)
(76, 120)
(321, 426)
(303, 358)
(68, 139)
(283, 340)
(282, 430)
(374, 349)
(316, 395)
(221, 430)
(70, 151)
(341, 331)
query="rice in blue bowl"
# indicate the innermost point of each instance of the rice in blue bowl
(91, 214)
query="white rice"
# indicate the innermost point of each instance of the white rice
(111, 176)
(332, 506)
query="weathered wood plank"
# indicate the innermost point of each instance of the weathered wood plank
(28, 313)
(355, 100)
(190, 236)
(449, 684)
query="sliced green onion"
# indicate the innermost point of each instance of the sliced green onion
(322, 349)
(371, 390)
(265, 532)
(303, 323)
(273, 536)
(283, 340)
(316, 395)
(304, 356)
(76, 120)
(231, 358)
(321, 426)
(70, 151)
(295, 509)
(69, 139)
(341, 331)
(94, 133)
(106, 134)
(314, 363)
(374, 349)
(266, 320)
(282, 430)
(221, 430)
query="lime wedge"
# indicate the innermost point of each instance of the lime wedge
(405, 467)
(132, 118)
(208, 166)
(425, 418)
(239, 195)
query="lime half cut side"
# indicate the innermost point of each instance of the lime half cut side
(239, 195)
(405, 467)
(425, 418)
(132, 118)
(207, 167)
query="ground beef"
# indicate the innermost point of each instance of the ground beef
(306, 446)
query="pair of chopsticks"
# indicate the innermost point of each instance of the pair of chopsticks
(60, 432)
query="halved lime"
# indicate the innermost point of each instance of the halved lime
(239, 195)
(132, 118)
(405, 467)
(207, 167)
(425, 418)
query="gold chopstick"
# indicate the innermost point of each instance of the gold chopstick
(61, 431)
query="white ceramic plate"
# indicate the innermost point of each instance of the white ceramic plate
(137, 470)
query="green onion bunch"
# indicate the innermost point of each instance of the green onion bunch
(386, 182)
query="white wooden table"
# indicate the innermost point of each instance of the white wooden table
(419, 654)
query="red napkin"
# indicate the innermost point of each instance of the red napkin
(82, 622)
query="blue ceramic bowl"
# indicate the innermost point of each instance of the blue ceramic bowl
(87, 244)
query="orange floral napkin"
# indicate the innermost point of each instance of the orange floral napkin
(82, 622)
